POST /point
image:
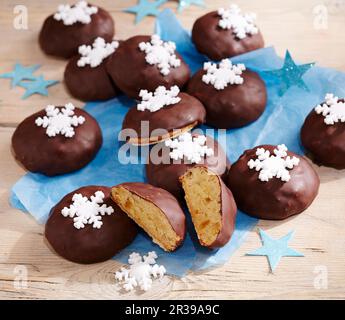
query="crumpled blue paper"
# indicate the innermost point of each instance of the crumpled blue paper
(280, 123)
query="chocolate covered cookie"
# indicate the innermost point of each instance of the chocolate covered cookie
(270, 182)
(57, 140)
(226, 33)
(323, 133)
(232, 95)
(168, 161)
(162, 115)
(155, 210)
(145, 63)
(85, 75)
(86, 226)
(211, 205)
(72, 26)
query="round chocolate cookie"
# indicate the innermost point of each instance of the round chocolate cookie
(87, 83)
(165, 172)
(325, 143)
(274, 199)
(58, 39)
(88, 243)
(167, 122)
(217, 43)
(38, 150)
(131, 72)
(236, 105)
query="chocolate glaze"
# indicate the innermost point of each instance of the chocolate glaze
(228, 213)
(38, 152)
(236, 105)
(166, 175)
(177, 116)
(162, 199)
(89, 245)
(63, 41)
(89, 84)
(325, 143)
(217, 43)
(275, 199)
(131, 73)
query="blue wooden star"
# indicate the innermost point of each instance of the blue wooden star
(145, 8)
(39, 85)
(275, 249)
(20, 73)
(290, 74)
(186, 3)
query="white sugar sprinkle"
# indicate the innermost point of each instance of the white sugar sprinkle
(220, 76)
(276, 165)
(154, 101)
(333, 109)
(80, 12)
(241, 24)
(160, 53)
(95, 54)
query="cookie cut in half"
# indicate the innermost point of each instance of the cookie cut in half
(155, 210)
(211, 205)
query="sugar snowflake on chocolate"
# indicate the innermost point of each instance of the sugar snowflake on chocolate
(160, 53)
(60, 121)
(80, 12)
(85, 211)
(194, 149)
(220, 76)
(333, 109)
(95, 54)
(140, 272)
(241, 24)
(273, 165)
(154, 101)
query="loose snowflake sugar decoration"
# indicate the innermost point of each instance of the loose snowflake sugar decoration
(220, 76)
(333, 109)
(241, 24)
(273, 165)
(60, 121)
(85, 211)
(95, 54)
(140, 272)
(194, 149)
(160, 53)
(80, 12)
(154, 101)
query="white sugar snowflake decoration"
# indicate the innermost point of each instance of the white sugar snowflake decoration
(85, 211)
(333, 109)
(273, 165)
(241, 24)
(154, 101)
(95, 54)
(220, 76)
(60, 121)
(194, 149)
(140, 272)
(160, 53)
(80, 12)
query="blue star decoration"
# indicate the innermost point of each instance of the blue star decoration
(20, 73)
(145, 8)
(186, 3)
(290, 74)
(275, 249)
(39, 85)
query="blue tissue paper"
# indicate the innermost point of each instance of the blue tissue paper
(280, 123)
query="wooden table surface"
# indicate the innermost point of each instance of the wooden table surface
(319, 231)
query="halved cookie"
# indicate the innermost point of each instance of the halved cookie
(155, 210)
(211, 205)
